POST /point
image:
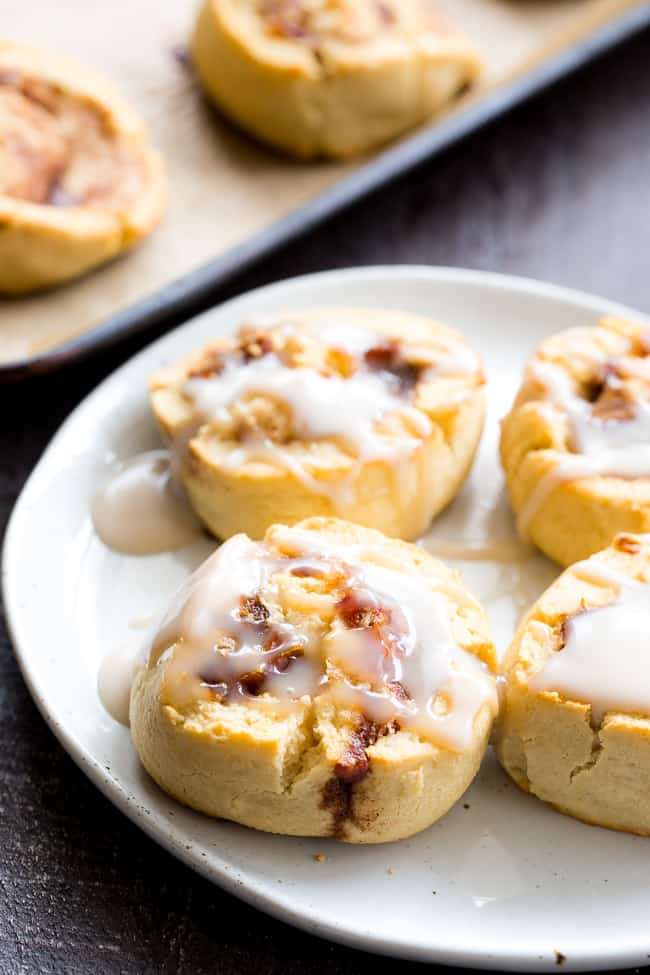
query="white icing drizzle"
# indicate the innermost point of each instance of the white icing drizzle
(307, 543)
(605, 661)
(115, 677)
(454, 359)
(343, 410)
(353, 338)
(322, 407)
(142, 509)
(591, 436)
(207, 605)
(209, 644)
(603, 447)
(446, 684)
(458, 360)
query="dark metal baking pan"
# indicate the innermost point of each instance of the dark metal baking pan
(192, 292)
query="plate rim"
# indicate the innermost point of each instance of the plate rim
(216, 869)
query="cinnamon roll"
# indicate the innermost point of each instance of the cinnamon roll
(576, 445)
(366, 414)
(329, 77)
(79, 183)
(574, 728)
(326, 681)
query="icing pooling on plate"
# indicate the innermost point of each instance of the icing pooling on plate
(142, 510)
(605, 660)
(383, 646)
(115, 677)
(618, 446)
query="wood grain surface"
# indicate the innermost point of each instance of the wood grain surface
(560, 190)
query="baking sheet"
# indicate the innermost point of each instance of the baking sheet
(230, 199)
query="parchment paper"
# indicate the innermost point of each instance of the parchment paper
(223, 187)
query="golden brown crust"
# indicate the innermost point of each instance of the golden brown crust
(321, 768)
(607, 366)
(552, 746)
(259, 491)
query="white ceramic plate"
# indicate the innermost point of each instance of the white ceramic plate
(500, 882)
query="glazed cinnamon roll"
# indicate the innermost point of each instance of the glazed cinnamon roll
(371, 415)
(575, 723)
(576, 445)
(326, 681)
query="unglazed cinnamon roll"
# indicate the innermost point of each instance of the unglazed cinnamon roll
(78, 181)
(329, 77)
(371, 415)
(576, 445)
(575, 722)
(327, 681)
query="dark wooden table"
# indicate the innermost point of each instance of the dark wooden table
(559, 190)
